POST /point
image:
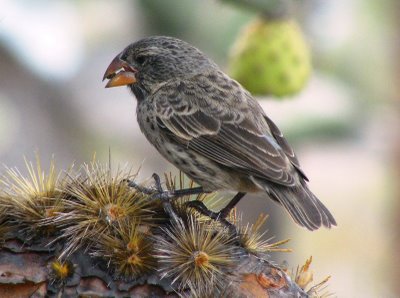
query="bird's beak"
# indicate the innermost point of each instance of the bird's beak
(119, 73)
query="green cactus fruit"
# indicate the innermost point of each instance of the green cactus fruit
(271, 57)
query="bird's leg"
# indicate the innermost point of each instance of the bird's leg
(166, 195)
(224, 212)
(159, 194)
(166, 200)
(201, 208)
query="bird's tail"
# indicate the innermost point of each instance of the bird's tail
(303, 206)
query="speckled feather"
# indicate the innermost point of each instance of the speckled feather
(211, 128)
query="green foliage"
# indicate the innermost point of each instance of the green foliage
(271, 57)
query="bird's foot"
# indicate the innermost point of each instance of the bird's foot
(165, 196)
(158, 193)
(218, 216)
(155, 193)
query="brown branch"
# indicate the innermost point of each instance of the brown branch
(90, 233)
(25, 272)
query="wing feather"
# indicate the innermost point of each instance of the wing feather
(226, 131)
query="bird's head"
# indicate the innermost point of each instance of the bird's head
(154, 60)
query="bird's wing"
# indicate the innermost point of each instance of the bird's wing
(226, 125)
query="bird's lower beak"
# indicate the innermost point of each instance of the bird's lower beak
(119, 73)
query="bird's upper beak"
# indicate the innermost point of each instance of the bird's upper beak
(119, 73)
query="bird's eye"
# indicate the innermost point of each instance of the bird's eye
(140, 59)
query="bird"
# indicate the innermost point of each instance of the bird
(211, 128)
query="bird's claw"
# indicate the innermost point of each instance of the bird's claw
(165, 196)
(217, 216)
(157, 182)
(142, 189)
(200, 207)
(156, 193)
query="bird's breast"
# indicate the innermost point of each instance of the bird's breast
(147, 122)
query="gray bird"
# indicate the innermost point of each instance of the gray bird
(211, 128)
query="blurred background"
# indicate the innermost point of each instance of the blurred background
(344, 122)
